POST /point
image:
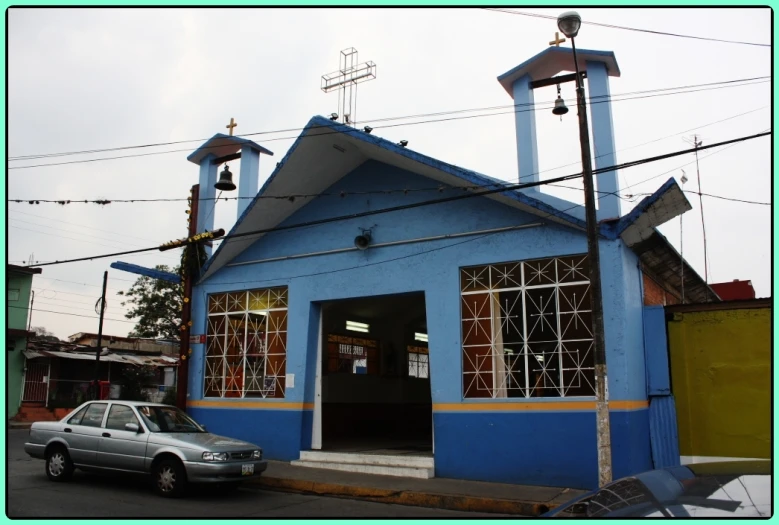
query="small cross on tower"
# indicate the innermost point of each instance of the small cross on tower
(557, 40)
(231, 125)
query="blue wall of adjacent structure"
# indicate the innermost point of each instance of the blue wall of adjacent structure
(518, 446)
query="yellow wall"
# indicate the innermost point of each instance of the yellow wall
(721, 379)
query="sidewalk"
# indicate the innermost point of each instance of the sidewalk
(452, 494)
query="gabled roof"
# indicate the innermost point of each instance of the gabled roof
(554, 60)
(221, 145)
(325, 152)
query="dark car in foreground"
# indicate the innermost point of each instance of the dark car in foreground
(142, 438)
(738, 489)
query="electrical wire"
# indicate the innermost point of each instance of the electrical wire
(350, 130)
(512, 187)
(344, 194)
(383, 119)
(80, 225)
(74, 315)
(613, 26)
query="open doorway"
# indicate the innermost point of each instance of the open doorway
(376, 376)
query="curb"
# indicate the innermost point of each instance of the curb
(405, 497)
(20, 425)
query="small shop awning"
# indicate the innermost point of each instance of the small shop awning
(110, 357)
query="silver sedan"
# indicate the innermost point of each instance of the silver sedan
(139, 437)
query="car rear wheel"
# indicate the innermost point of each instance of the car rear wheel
(169, 478)
(59, 467)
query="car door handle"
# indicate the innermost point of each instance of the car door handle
(106, 435)
(68, 430)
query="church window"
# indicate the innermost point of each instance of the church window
(418, 362)
(246, 344)
(352, 355)
(526, 329)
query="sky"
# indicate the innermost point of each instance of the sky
(85, 79)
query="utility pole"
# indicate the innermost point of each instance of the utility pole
(697, 144)
(569, 24)
(186, 307)
(96, 391)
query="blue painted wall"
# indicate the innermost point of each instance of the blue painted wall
(556, 449)
(431, 267)
(278, 432)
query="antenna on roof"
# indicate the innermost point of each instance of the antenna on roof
(345, 80)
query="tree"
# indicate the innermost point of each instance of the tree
(157, 306)
(41, 333)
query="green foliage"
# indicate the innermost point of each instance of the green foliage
(156, 304)
(134, 378)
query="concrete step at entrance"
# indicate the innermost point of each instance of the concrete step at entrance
(367, 459)
(385, 465)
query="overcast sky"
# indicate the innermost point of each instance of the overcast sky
(83, 79)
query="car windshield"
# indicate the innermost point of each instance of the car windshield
(168, 419)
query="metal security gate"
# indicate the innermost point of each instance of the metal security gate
(36, 382)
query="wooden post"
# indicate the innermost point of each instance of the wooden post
(186, 311)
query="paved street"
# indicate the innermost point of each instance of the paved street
(31, 495)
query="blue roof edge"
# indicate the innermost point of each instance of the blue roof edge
(467, 175)
(623, 223)
(554, 49)
(242, 141)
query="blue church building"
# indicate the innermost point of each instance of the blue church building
(346, 311)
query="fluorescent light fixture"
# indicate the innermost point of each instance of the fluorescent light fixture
(420, 337)
(356, 327)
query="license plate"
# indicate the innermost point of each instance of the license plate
(247, 470)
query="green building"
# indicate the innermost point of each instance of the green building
(18, 290)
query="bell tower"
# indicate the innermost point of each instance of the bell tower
(520, 83)
(221, 149)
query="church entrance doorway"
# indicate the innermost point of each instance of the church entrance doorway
(375, 376)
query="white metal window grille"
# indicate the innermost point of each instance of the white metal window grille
(418, 365)
(526, 329)
(246, 344)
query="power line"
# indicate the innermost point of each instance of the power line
(512, 187)
(344, 194)
(732, 199)
(74, 315)
(75, 282)
(81, 225)
(683, 165)
(383, 119)
(613, 26)
(351, 130)
(72, 238)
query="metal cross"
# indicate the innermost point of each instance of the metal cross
(231, 125)
(345, 80)
(557, 40)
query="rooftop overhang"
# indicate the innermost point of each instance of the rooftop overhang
(554, 60)
(638, 230)
(221, 145)
(24, 270)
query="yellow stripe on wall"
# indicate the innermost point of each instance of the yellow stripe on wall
(269, 405)
(559, 406)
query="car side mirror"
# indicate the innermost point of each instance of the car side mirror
(132, 427)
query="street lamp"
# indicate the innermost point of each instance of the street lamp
(569, 24)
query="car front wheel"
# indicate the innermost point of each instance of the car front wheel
(169, 478)
(59, 467)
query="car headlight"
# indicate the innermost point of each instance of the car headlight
(257, 454)
(214, 456)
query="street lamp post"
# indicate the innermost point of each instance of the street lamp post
(569, 23)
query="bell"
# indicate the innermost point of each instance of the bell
(559, 107)
(225, 182)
